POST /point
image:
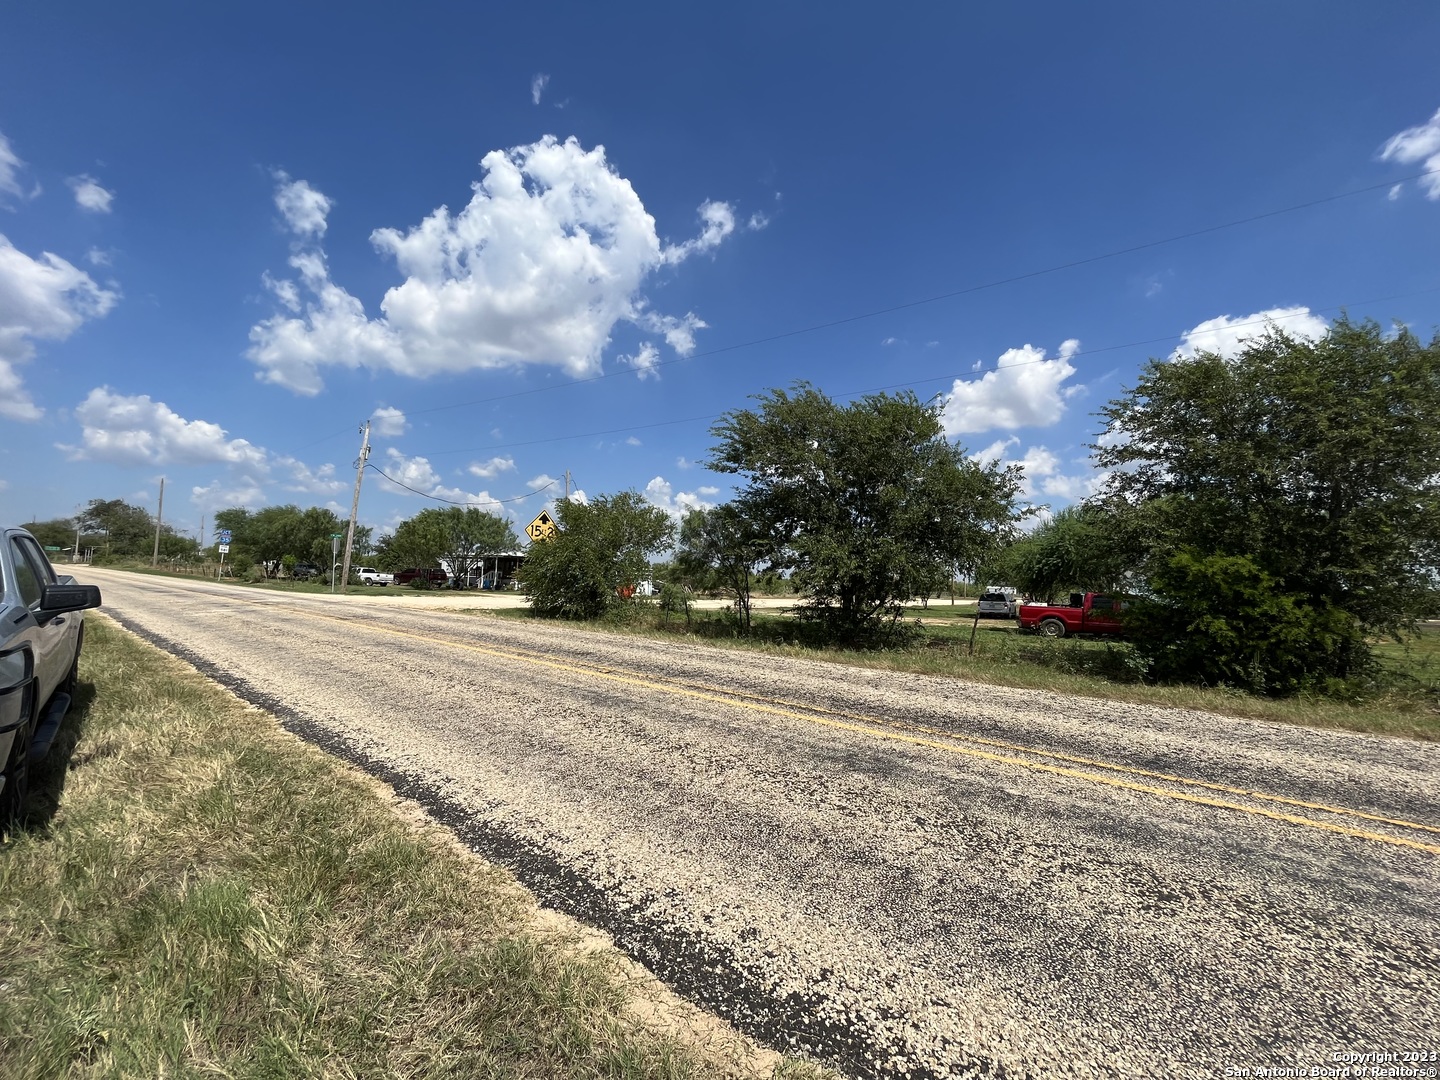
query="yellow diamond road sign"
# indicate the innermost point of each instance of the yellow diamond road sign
(542, 528)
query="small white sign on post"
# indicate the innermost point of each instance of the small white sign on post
(224, 549)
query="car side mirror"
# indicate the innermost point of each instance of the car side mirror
(58, 599)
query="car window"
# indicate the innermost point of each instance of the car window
(1103, 603)
(39, 560)
(27, 578)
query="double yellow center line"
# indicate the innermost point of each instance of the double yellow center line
(949, 742)
(1123, 777)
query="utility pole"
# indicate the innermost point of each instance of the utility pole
(202, 530)
(567, 485)
(159, 516)
(355, 504)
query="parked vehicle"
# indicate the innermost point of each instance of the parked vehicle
(41, 635)
(1087, 613)
(304, 571)
(422, 574)
(368, 575)
(995, 605)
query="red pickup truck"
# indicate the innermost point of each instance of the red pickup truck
(1092, 613)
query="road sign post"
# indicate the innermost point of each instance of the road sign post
(334, 553)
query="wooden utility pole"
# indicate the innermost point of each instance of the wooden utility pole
(567, 485)
(159, 516)
(355, 504)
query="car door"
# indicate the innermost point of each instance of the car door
(1103, 616)
(50, 640)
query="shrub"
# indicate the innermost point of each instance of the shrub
(1222, 621)
(674, 600)
(599, 549)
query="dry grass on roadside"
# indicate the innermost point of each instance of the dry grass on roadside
(199, 893)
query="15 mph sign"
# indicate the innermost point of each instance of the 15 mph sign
(542, 528)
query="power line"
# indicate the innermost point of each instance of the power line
(317, 442)
(452, 502)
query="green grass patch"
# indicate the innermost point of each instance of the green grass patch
(1415, 659)
(198, 893)
(1406, 703)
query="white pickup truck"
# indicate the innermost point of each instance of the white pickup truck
(368, 575)
(41, 634)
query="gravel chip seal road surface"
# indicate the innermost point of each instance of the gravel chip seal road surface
(903, 876)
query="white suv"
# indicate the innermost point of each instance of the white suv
(996, 605)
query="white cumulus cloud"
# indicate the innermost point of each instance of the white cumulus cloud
(660, 492)
(549, 254)
(1227, 336)
(415, 475)
(304, 208)
(89, 195)
(1419, 145)
(644, 362)
(719, 222)
(679, 333)
(1024, 390)
(10, 166)
(220, 494)
(134, 430)
(488, 470)
(317, 481)
(44, 299)
(388, 422)
(1043, 474)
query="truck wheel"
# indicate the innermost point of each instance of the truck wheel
(1051, 628)
(17, 779)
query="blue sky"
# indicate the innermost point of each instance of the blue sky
(568, 236)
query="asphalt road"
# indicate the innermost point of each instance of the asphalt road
(901, 875)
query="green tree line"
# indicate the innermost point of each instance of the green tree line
(1270, 514)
